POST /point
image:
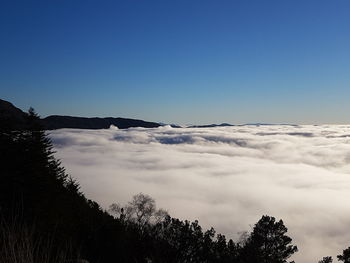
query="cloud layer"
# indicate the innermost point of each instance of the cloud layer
(226, 177)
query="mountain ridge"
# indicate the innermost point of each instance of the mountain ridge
(211, 125)
(10, 113)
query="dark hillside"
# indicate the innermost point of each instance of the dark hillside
(57, 122)
(16, 118)
(10, 116)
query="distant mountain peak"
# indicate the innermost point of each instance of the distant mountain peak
(211, 125)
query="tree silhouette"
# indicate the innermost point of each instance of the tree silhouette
(140, 210)
(345, 257)
(268, 243)
(326, 260)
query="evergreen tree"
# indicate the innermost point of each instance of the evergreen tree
(268, 243)
(345, 257)
(326, 260)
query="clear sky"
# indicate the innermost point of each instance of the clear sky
(282, 61)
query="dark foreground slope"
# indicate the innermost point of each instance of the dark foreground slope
(11, 115)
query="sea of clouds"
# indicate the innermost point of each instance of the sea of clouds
(226, 177)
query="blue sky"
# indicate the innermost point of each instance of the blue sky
(179, 61)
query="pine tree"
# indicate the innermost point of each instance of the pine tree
(326, 260)
(345, 257)
(268, 242)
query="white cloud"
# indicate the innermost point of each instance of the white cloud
(226, 177)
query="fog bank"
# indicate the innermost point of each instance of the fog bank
(226, 177)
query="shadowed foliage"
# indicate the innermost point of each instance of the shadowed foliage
(268, 243)
(345, 257)
(326, 260)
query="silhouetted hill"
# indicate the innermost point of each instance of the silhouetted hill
(211, 125)
(268, 124)
(10, 116)
(57, 122)
(14, 118)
